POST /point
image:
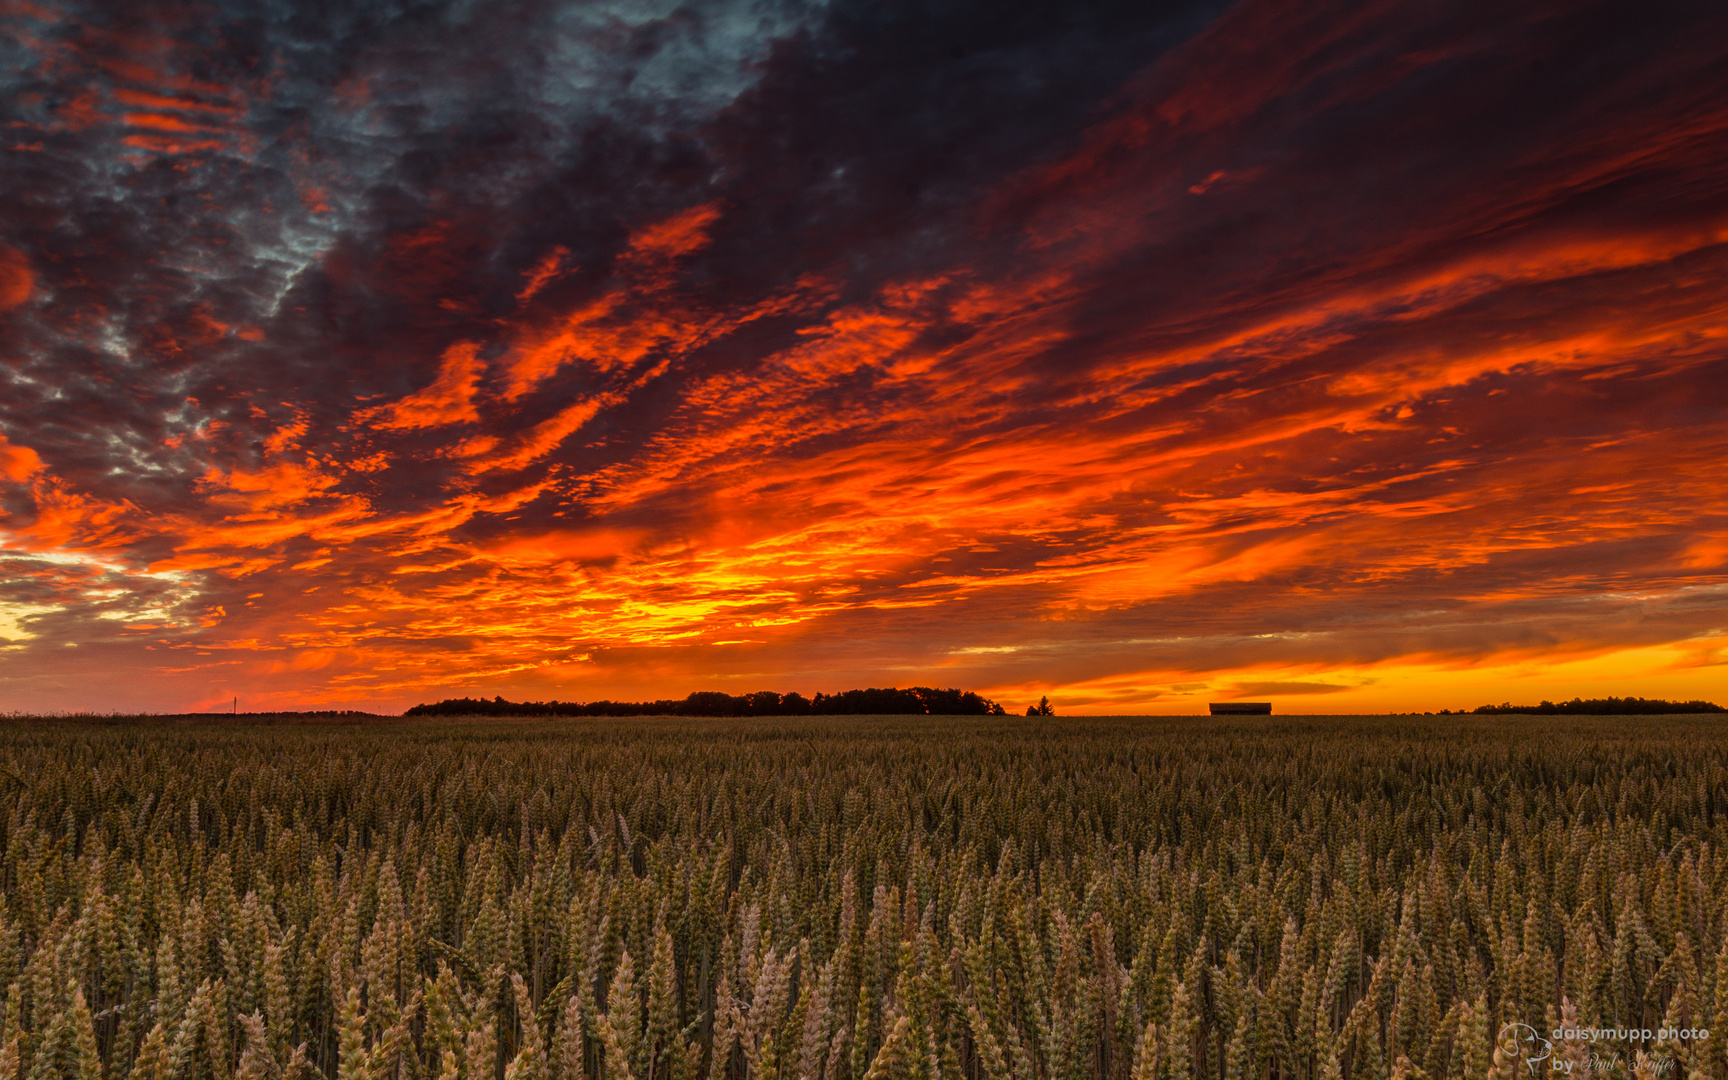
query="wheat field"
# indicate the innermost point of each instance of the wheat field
(861, 898)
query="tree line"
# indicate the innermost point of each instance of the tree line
(1609, 706)
(890, 701)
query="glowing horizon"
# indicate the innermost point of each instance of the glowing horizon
(1366, 361)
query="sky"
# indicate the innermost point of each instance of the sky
(1355, 357)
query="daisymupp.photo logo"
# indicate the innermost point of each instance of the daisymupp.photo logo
(1524, 1043)
(1521, 1042)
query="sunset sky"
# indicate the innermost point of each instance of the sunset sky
(1355, 357)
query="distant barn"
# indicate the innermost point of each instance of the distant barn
(1241, 708)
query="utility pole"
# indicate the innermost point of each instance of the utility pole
(236, 706)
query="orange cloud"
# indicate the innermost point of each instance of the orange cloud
(679, 235)
(16, 280)
(448, 400)
(17, 463)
